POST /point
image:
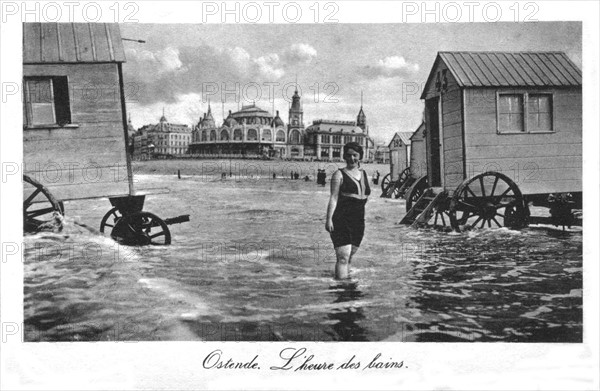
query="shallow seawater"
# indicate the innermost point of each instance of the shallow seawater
(255, 263)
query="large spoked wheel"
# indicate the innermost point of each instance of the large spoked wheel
(404, 175)
(490, 199)
(40, 208)
(141, 229)
(385, 182)
(416, 191)
(110, 219)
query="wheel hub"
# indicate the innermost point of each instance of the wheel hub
(488, 211)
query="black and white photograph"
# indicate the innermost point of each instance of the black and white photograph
(331, 191)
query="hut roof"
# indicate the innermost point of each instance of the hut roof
(72, 43)
(403, 136)
(419, 132)
(509, 69)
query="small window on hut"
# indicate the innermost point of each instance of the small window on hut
(47, 101)
(525, 113)
(510, 113)
(539, 112)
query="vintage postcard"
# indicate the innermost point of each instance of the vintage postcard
(297, 195)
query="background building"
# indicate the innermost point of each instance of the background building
(381, 154)
(162, 140)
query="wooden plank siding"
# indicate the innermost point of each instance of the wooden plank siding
(451, 133)
(91, 151)
(418, 158)
(544, 162)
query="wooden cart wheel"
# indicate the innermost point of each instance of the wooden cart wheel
(404, 175)
(491, 199)
(141, 229)
(385, 182)
(40, 208)
(416, 191)
(115, 214)
(441, 218)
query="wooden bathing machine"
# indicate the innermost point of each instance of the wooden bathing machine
(407, 162)
(74, 125)
(502, 128)
(399, 153)
(75, 130)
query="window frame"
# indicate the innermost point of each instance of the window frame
(525, 95)
(27, 103)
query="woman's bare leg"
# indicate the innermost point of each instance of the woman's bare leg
(352, 252)
(343, 254)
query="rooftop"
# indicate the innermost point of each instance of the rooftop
(72, 43)
(510, 69)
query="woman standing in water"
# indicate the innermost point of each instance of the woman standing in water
(346, 208)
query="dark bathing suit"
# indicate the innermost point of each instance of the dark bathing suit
(349, 215)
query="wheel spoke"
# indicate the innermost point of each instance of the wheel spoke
(157, 235)
(482, 186)
(505, 193)
(39, 212)
(443, 220)
(494, 218)
(470, 191)
(27, 202)
(477, 221)
(469, 206)
(482, 223)
(494, 186)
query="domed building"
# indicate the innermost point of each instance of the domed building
(254, 133)
(250, 132)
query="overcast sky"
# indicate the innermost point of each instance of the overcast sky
(339, 61)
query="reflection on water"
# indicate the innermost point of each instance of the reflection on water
(348, 318)
(255, 264)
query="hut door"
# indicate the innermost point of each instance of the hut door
(433, 141)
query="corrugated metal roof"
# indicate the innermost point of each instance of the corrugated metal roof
(403, 136)
(72, 43)
(512, 69)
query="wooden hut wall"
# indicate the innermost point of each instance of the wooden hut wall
(398, 161)
(452, 137)
(418, 157)
(86, 158)
(399, 155)
(543, 162)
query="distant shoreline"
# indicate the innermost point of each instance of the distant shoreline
(244, 167)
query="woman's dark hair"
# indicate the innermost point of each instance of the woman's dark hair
(355, 146)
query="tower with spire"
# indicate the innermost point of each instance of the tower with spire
(163, 123)
(208, 121)
(295, 116)
(361, 118)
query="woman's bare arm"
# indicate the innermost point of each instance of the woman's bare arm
(336, 182)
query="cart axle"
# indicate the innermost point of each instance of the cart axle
(177, 220)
